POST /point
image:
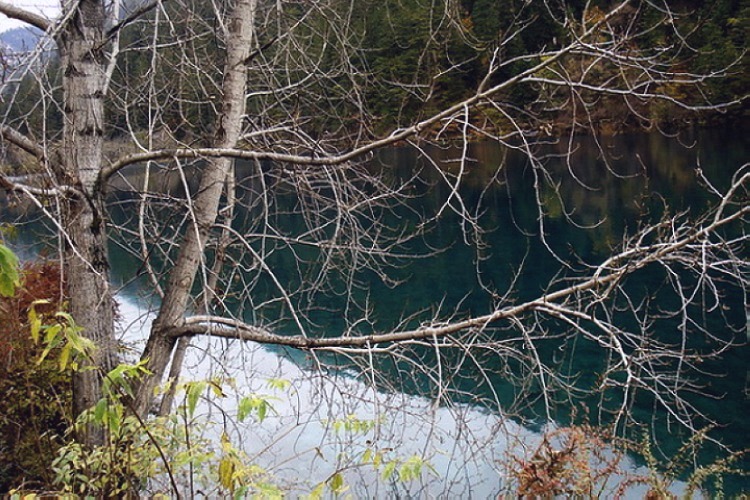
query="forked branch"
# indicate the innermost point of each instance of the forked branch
(611, 271)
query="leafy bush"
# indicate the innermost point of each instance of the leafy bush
(35, 409)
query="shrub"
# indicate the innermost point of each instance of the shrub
(35, 409)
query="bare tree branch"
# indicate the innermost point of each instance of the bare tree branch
(24, 143)
(142, 121)
(615, 269)
(26, 16)
(133, 16)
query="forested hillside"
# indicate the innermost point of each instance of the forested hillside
(412, 60)
(19, 39)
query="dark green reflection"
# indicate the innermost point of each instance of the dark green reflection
(588, 205)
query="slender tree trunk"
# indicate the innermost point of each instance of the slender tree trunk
(86, 262)
(209, 293)
(205, 204)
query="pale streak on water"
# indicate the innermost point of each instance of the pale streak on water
(464, 445)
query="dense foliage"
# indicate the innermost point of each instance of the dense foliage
(716, 36)
(419, 58)
(35, 409)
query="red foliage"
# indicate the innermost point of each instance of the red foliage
(35, 408)
(39, 281)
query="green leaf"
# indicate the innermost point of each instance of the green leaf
(244, 408)
(249, 404)
(268, 491)
(100, 410)
(317, 493)
(52, 334)
(262, 409)
(121, 375)
(113, 378)
(8, 230)
(278, 384)
(194, 390)
(388, 470)
(241, 493)
(67, 318)
(81, 345)
(9, 277)
(336, 483)
(114, 418)
(51, 341)
(217, 389)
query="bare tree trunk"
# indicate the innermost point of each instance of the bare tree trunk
(205, 204)
(86, 262)
(210, 294)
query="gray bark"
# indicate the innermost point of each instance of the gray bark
(205, 205)
(209, 295)
(86, 262)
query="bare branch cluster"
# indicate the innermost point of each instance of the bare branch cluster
(235, 153)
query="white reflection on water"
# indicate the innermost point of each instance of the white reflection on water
(468, 449)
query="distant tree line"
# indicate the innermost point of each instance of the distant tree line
(434, 57)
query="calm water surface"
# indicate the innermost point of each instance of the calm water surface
(644, 177)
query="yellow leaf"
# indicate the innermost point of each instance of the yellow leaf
(64, 357)
(226, 473)
(317, 493)
(35, 322)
